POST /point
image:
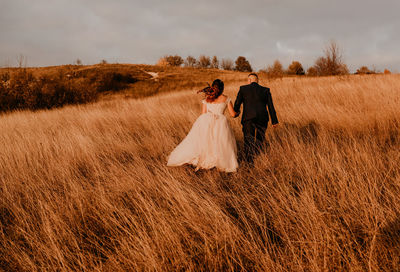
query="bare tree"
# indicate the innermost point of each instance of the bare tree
(227, 64)
(190, 61)
(331, 64)
(204, 61)
(21, 61)
(78, 62)
(215, 62)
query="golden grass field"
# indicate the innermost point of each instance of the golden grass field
(85, 188)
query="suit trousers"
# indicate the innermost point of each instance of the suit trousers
(254, 138)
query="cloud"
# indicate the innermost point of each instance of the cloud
(57, 32)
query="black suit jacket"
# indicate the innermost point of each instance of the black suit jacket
(256, 99)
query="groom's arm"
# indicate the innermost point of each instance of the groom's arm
(238, 103)
(271, 108)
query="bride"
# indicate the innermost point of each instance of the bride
(210, 143)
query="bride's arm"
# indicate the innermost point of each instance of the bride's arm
(231, 110)
(203, 108)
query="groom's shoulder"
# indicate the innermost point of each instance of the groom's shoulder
(247, 86)
(254, 87)
(261, 86)
(264, 88)
(257, 86)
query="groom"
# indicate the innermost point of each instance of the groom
(255, 99)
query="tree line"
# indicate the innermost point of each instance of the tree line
(330, 64)
(241, 63)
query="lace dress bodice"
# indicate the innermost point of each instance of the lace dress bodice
(216, 108)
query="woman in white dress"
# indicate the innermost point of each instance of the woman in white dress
(210, 142)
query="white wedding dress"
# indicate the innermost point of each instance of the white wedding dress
(210, 142)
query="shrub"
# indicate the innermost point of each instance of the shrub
(364, 70)
(295, 69)
(56, 92)
(174, 60)
(190, 61)
(24, 91)
(111, 81)
(276, 70)
(4, 77)
(162, 62)
(204, 61)
(227, 64)
(242, 65)
(215, 62)
(312, 71)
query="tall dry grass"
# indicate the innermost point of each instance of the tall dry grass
(85, 188)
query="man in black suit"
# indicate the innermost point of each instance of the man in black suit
(255, 99)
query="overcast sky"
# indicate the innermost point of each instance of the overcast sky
(53, 32)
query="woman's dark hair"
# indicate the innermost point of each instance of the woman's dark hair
(214, 91)
(219, 83)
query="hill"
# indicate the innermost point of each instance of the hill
(50, 87)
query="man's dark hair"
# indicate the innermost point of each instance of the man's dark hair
(253, 74)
